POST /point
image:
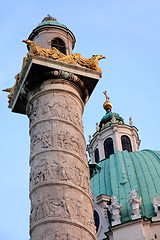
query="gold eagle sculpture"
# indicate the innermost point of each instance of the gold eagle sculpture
(54, 53)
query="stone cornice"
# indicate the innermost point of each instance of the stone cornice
(39, 69)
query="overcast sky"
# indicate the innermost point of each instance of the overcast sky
(127, 32)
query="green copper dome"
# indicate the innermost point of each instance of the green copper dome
(52, 23)
(49, 22)
(107, 119)
(125, 171)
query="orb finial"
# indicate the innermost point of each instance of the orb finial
(107, 104)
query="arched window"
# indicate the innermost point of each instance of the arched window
(126, 143)
(59, 44)
(108, 147)
(96, 220)
(96, 155)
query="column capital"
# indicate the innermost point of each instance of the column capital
(39, 69)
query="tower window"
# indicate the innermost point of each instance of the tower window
(126, 143)
(96, 155)
(96, 220)
(59, 44)
(108, 147)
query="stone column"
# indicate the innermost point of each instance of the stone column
(117, 143)
(61, 204)
(53, 95)
(100, 147)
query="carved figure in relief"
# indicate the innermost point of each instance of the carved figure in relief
(41, 140)
(64, 108)
(35, 141)
(45, 110)
(46, 139)
(57, 237)
(67, 141)
(49, 208)
(58, 169)
(60, 236)
(80, 211)
(47, 172)
(46, 207)
(81, 178)
(33, 111)
(62, 173)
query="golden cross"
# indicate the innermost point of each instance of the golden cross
(105, 93)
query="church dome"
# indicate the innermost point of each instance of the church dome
(125, 171)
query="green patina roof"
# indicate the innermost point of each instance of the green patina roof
(107, 120)
(125, 171)
(47, 23)
(52, 23)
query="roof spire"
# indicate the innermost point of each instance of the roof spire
(107, 104)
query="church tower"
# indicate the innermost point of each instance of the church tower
(112, 134)
(52, 90)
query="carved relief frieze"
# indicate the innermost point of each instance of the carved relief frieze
(59, 235)
(64, 236)
(56, 106)
(58, 169)
(64, 107)
(49, 207)
(49, 170)
(33, 111)
(41, 137)
(61, 202)
(80, 212)
(71, 142)
(81, 178)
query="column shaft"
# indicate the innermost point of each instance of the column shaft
(61, 203)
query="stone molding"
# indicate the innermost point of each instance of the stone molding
(56, 81)
(42, 75)
(59, 150)
(39, 69)
(57, 119)
(67, 222)
(41, 185)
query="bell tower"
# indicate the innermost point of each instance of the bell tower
(50, 33)
(52, 90)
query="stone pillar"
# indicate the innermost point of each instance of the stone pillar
(61, 204)
(53, 95)
(117, 143)
(100, 147)
(134, 142)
